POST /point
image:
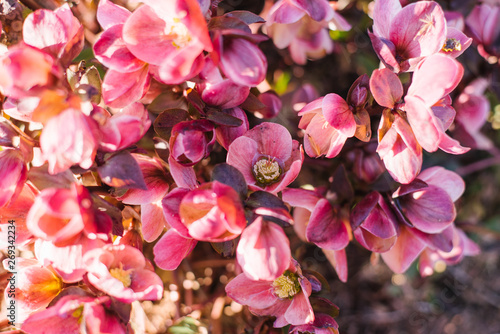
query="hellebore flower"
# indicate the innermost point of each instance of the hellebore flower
(59, 215)
(263, 251)
(69, 138)
(212, 212)
(36, 287)
(218, 91)
(25, 71)
(327, 122)
(302, 27)
(73, 313)
(57, 32)
(127, 78)
(403, 36)
(316, 221)
(267, 157)
(286, 297)
(121, 271)
(426, 212)
(484, 28)
(170, 35)
(191, 141)
(124, 128)
(473, 109)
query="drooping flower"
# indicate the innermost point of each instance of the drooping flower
(483, 25)
(267, 157)
(36, 287)
(69, 138)
(302, 27)
(71, 313)
(191, 141)
(426, 213)
(286, 297)
(171, 35)
(403, 36)
(57, 32)
(121, 272)
(316, 221)
(263, 251)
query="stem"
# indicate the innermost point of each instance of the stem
(478, 165)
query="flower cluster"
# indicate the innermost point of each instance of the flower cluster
(160, 138)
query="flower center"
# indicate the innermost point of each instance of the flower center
(177, 33)
(266, 170)
(121, 275)
(287, 285)
(452, 44)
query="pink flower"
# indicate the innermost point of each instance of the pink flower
(57, 32)
(72, 313)
(316, 221)
(69, 138)
(127, 78)
(473, 109)
(124, 128)
(421, 121)
(403, 36)
(483, 25)
(302, 27)
(59, 215)
(218, 91)
(426, 204)
(263, 251)
(191, 141)
(25, 71)
(36, 286)
(121, 271)
(267, 157)
(171, 35)
(286, 297)
(213, 212)
(327, 122)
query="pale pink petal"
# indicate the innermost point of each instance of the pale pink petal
(459, 36)
(240, 155)
(255, 294)
(110, 14)
(184, 176)
(153, 221)
(386, 88)
(303, 198)
(338, 260)
(112, 52)
(434, 78)
(120, 89)
(44, 30)
(337, 112)
(383, 13)
(263, 251)
(171, 249)
(404, 252)
(445, 179)
(423, 123)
